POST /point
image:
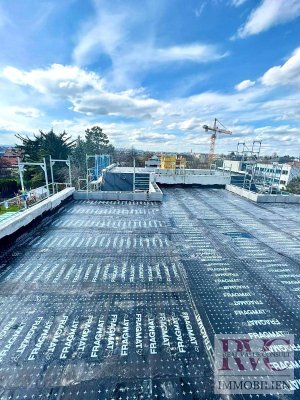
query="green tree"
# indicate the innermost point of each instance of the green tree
(294, 186)
(97, 142)
(8, 187)
(286, 159)
(78, 160)
(59, 146)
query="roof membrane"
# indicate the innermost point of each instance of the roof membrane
(121, 300)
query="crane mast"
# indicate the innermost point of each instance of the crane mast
(215, 129)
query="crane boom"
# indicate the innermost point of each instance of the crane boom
(215, 129)
(208, 128)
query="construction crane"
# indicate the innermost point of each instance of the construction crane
(215, 129)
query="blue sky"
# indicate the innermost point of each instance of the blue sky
(152, 72)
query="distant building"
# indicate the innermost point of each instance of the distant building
(203, 157)
(234, 166)
(172, 161)
(153, 162)
(9, 162)
(269, 174)
(10, 157)
(168, 161)
(277, 174)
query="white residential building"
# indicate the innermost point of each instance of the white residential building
(276, 174)
(269, 174)
(153, 162)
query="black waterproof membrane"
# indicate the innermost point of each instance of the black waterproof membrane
(121, 300)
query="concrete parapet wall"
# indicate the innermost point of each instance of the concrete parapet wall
(23, 218)
(205, 180)
(242, 192)
(277, 198)
(154, 192)
(153, 195)
(184, 171)
(264, 198)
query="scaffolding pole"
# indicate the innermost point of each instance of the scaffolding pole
(21, 168)
(133, 183)
(67, 162)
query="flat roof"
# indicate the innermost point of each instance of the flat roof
(120, 299)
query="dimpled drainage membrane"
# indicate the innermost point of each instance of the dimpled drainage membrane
(121, 300)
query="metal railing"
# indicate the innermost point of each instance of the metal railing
(28, 199)
(58, 186)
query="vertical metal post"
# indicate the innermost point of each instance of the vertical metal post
(87, 176)
(245, 176)
(279, 179)
(52, 177)
(46, 176)
(134, 175)
(275, 165)
(21, 168)
(70, 176)
(265, 173)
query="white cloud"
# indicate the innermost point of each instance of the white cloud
(161, 125)
(106, 103)
(275, 137)
(244, 85)
(28, 112)
(57, 79)
(84, 90)
(87, 94)
(4, 19)
(212, 104)
(282, 129)
(200, 9)
(141, 136)
(42, 12)
(103, 34)
(268, 14)
(198, 139)
(112, 33)
(286, 108)
(197, 52)
(77, 127)
(11, 124)
(238, 3)
(187, 125)
(286, 74)
(15, 119)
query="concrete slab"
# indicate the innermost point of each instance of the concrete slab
(21, 219)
